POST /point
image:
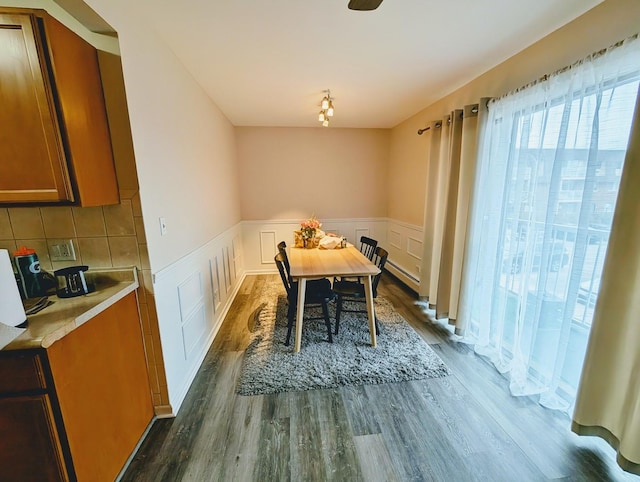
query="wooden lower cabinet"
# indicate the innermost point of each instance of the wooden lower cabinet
(35, 453)
(85, 407)
(100, 375)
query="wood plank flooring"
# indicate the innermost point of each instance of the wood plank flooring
(465, 427)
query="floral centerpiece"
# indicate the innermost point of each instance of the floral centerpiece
(309, 227)
(310, 231)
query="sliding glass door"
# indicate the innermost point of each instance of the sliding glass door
(548, 178)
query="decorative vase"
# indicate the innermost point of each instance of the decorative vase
(309, 243)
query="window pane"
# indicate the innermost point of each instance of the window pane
(543, 208)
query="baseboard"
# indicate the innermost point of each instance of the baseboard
(403, 276)
(135, 450)
(164, 411)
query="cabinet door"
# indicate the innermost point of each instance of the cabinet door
(20, 371)
(29, 444)
(32, 158)
(75, 68)
(101, 380)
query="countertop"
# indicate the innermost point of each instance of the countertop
(66, 314)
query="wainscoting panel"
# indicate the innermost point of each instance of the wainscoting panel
(414, 247)
(215, 283)
(225, 270)
(260, 238)
(193, 295)
(395, 239)
(236, 248)
(268, 246)
(193, 331)
(190, 294)
(405, 252)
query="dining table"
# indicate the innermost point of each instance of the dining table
(314, 263)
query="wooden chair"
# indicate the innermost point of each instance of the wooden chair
(317, 293)
(282, 249)
(353, 291)
(368, 248)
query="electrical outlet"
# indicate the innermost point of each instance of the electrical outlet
(63, 251)
(163, 226)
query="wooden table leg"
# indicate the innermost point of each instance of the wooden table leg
(368, 291)
(302, 287)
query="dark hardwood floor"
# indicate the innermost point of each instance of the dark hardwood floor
(464, 427)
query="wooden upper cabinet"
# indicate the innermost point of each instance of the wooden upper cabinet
(55, 145)
(32, 158)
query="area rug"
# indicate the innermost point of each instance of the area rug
(270, 367)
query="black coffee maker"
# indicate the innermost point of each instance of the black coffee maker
(72, 282)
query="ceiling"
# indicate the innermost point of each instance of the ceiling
(266, 63)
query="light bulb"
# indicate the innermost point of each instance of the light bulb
(330, 109)
(321, 116)
(325, 123)
(325, 103)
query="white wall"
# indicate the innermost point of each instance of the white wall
(184, 145)
(185, 155)
(290, 172)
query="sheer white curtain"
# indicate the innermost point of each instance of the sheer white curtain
(546, 185)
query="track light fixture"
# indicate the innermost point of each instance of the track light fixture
(326, 108)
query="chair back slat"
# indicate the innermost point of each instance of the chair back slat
(368, 246)
(280, 263)
(282, 249)
(380, 259)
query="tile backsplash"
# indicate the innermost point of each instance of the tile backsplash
(103, 237)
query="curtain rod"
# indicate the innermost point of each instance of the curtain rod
(588, 58)
(425, 129)
(474, 110)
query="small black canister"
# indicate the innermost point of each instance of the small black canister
(28, 271)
